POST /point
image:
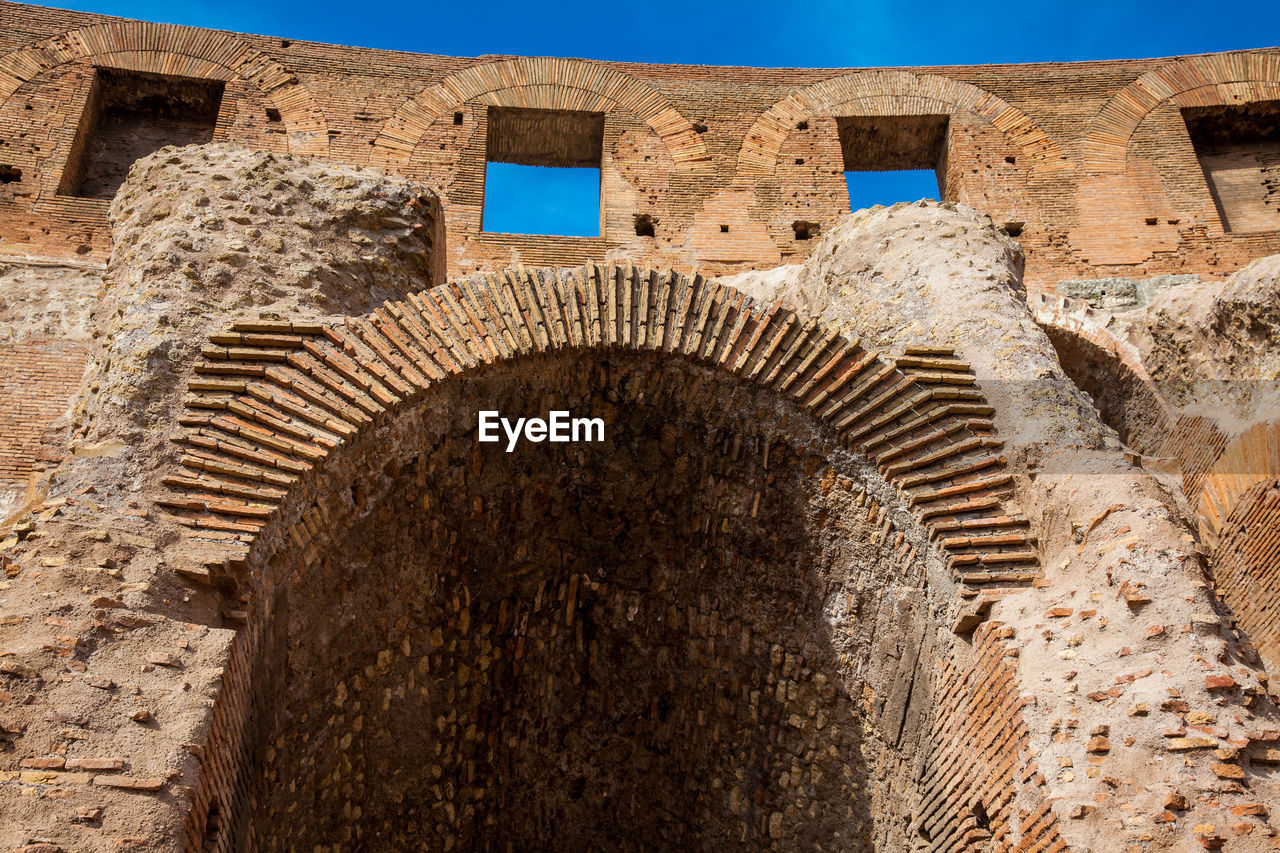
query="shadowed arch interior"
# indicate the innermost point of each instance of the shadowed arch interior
(650, 642)
(1126, 402)
(316, 466)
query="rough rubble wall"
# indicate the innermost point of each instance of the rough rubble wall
(103, 689)
(1210, 349)
(675, 639)
(1124, 593)
(1076, 158)
(206, 230)
(1197, 370)
(939, 274)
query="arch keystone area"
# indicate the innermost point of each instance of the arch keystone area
(910, 93)
(1224, 78)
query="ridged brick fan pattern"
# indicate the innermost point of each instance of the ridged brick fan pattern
(275, 399)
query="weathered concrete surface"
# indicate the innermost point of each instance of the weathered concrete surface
(930, 274)
(205, 233)
(1212, 348)
(41, 302)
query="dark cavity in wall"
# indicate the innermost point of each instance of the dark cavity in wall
(873, 144)
(645, 224)
(612, 646)
(1239, 150)
(1123, 401)
(128, 116)
(10, 174)
(805, 230)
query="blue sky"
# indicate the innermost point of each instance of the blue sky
(819, 33)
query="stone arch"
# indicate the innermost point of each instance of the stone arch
(282, 415)
(1224, 78)
(547, 83)
(1107, 368)
(891, 92)
(179, 51)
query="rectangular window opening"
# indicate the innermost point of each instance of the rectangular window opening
(542, 172)
(1238, 148)
(128, 116)
(888, 159)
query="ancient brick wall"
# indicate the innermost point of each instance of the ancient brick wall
(804, 596)
(1098, 168)
(38, 379)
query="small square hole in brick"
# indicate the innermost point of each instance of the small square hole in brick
(805, 230)
(645, 225)
(724, 229)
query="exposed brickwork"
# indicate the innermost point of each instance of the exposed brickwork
(275, 399)
(981, 758)
(251, 460)
(39, 378)
(1090, 164)
(1110, 370)
(1246, 567)
(1250, 458)
(804, 595)
(1196, 442)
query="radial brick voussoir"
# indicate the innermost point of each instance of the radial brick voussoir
(302, 391)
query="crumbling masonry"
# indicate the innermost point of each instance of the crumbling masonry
(945, 526)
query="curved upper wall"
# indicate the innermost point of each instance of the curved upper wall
(1126, 168)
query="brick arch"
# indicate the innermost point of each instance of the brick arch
(178, 51)
(894, 92)
(1146, 418)
(546, 83)
(272, 402)
(284, 420)
(1225, 78)
(1250, 459)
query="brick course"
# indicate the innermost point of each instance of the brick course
(1090, 163)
